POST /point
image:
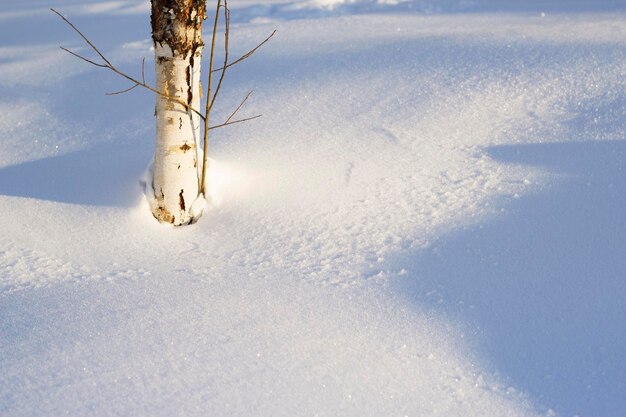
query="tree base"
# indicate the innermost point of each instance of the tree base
(190, 216)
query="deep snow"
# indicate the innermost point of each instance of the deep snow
(428, 220)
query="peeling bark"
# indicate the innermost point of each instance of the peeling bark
(177, 37)
(178, 24)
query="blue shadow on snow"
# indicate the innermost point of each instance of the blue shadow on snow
(105, 175)
(545, 284)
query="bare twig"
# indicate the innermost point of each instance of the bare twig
(113, 68)
(226, 37)
(84, 59)
(207, 107)
(143, 80)
(143, 70)
(238, 107)
(235, 122)
(123, 91)
(83, 36)
(249, 53)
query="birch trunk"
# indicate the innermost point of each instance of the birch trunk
(177, 37)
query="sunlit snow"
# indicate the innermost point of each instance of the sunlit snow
(427, 220)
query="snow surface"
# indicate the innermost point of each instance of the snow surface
(428, 220)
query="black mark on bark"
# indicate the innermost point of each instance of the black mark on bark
(181, 200)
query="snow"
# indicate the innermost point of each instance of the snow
(427, 220)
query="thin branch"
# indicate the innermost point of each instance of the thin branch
(249, 53)
(235, 122)
(83, 36)
(123, 91)
(143, 70)
(226, 38)
(176, 100)
(84, 59)
(110, 66)
(207, 112)
(239, 107)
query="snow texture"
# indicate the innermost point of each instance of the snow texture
(428, 220)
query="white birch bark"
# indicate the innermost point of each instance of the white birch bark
(175, 170)
(177, 36)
